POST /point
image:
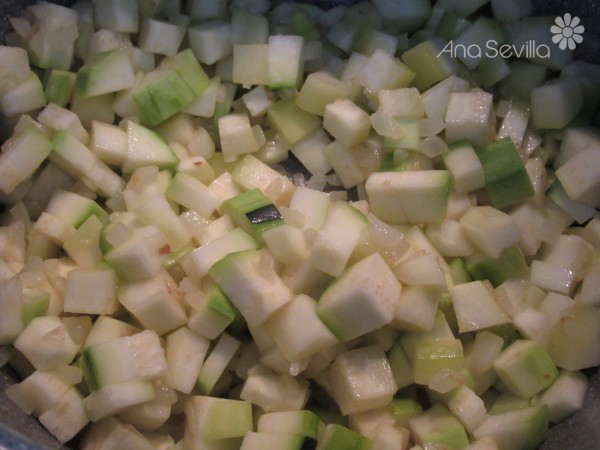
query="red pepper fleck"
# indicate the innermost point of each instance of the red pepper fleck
(197, 163)
(164, 250)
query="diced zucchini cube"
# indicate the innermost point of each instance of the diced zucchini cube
(346, 122)
(469, 117)
(363, 299)
(274, 392)
(224, 188)
(58, 118)
(506, 179)
(192, 194)
(113, 432)
(345, 163)
(555, 104)
(436, 98)
(116, 15)
(42, 390)
(491, 230)
(286, 61)
(67, 418)
(59, 86)
(145, 148)
(157, 210)
(106, 72)
(253, 173)
(69, 154)
(139, 356)
(525, 368)
(362, 380)
(302, 24)
(451, 25)
(552, 278)
(417, 308)
(337, 437)
(46, 343)
(91, 291)
(421, 268)
(404, 408)
(114, 398)
(368, 39)
(298, 331)
(476, 307)
(434, 355)
(510, 264)
(251, 64)
(35, 304)
(416, 197)
(251, 284)
(151, 302)
(185, 351)
(520, 428)
(160, 95)
(258, 101)
(305, 278)
(578, 212)
(276, 439)
(579, 179)
(139, 257)
(158, 36)
(189, 69)
(321, 88)
(465, 167)
(104, 180)
(401, 102)
(237, 136)
(199, 168)
(199, 261)
(205, 105)
(248, 27)
(106, 328)
(566, 395)
(215, 365)
(302, 422)
(589, 294)
(53, 228)
(383, 71)
(438, 426)
(485, 35)
(468, 407)
(74, 209)
(491, 71)
(14, 68)
(211, 418)
(27, 96)
(22, 157)
(213, 314)
(313, 205)
(342, 33)
(253, 212)
(429, 62)
(572, 339)
(291, 121)
(523, 78)
(210, 41)
(287, 244)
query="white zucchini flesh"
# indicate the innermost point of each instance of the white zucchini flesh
(126, 287)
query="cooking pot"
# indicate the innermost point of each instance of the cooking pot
(581, 431)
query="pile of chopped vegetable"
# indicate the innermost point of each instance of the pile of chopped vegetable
(234, 225)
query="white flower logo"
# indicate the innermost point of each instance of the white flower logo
(567, 32)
